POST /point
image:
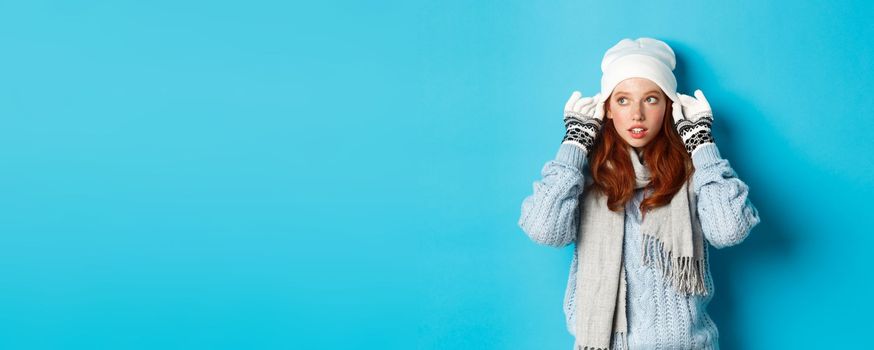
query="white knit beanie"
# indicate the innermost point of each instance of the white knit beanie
(641, 58)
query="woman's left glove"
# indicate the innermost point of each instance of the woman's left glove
(693, 119)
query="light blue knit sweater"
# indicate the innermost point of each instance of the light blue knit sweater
(658, 317)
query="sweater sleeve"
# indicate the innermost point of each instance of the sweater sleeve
(549, 215)
(724, 207)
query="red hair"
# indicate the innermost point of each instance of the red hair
(666, 158)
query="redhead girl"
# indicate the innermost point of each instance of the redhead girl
(639, 187)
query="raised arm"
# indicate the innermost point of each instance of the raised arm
(723, 205)
(550, 214)
(724, 208)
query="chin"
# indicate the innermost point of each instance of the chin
(637, 143)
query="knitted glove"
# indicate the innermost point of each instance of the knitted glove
(583, 118)
(694, 120)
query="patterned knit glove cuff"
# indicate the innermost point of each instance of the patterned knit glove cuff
(695, 131)
(581, 130)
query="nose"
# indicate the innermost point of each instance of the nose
(637, 115)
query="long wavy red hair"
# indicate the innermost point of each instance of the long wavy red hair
(665, 156)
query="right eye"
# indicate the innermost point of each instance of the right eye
(619, 100)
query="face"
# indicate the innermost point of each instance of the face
(637, 102)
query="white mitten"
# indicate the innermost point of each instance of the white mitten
(693, 123)
(583, 119)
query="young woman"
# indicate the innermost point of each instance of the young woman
(639, 193)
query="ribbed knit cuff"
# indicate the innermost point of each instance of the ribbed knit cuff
(705, 154)
(571, 154)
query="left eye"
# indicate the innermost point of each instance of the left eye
(653, 99)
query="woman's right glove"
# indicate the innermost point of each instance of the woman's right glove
(583, 119)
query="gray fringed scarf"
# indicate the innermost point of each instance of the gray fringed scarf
(669, 235)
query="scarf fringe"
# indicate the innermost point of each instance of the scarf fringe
(685, 276)
(622, 343)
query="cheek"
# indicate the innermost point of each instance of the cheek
(619, 116)
(656, 115)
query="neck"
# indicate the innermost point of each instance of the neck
(641, 172)
(639, 152)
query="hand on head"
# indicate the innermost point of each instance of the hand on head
(583, 119)
(693, 120)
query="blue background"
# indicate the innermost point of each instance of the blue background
(330, 175)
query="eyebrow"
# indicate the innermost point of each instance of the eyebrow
(626, 93)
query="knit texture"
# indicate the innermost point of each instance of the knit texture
(658, 317)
